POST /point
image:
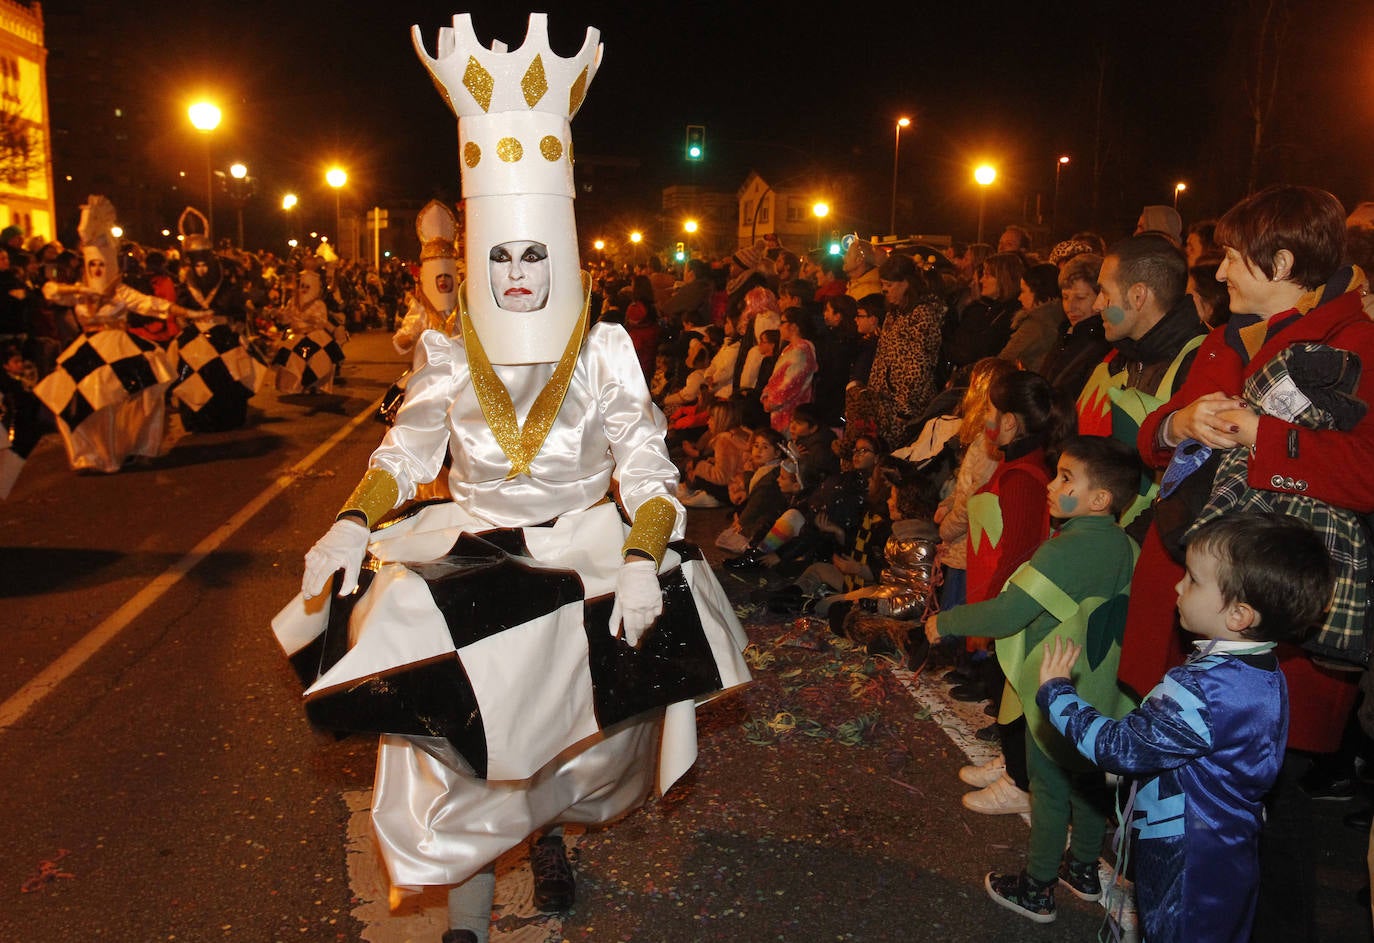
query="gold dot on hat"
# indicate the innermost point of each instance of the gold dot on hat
(472, 154)
(509, 150)
(550, 147)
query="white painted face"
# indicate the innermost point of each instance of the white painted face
(308, 288)
(520, 275)
(99, 268)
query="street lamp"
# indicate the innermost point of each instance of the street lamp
(896, 146)
(636, 238)
(336, 177)
(1178, 188)
(288, 203)
(239, 173)
(821, 210)
(205, 118)
(1054, 210)
(984, 174)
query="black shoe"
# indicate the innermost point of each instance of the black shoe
(989, 734)
(1022, 894)
(958, 676)
(459, 936)
(554, 884)
(1081, 878)
(969, 692)
(751, 559)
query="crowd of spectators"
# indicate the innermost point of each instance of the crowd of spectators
(939, 386)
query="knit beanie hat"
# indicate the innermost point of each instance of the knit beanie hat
(750, 258)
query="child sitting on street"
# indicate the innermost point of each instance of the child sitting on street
(1074, 586)
(1209, 739)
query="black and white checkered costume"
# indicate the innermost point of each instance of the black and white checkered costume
(308, 362)
(216, 375)
(107, 394)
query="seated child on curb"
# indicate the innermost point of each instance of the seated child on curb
(756, 493)
(1074, 586)
(1208, 740)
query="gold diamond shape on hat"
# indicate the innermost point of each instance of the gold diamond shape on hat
(478, 82)
(534, 84)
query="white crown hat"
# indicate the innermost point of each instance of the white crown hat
(96, 229)
(514, 110)
(437, 228)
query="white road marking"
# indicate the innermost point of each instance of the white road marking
(47, 681)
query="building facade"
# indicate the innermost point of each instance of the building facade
(26, 175)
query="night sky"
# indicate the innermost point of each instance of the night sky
(791, 88)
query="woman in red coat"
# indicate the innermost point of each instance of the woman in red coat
(1280, 393)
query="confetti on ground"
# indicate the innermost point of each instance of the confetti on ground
(48, 872)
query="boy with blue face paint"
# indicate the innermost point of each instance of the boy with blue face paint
(1074, 587)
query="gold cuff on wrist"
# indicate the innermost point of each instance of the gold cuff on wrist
(375, 495)
(652, 527)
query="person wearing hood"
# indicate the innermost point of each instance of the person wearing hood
(861, 261)
(1163, 220)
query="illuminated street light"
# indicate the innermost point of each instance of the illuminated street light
(984, 174)
(117, 232)
(599, 245)
(902, 122)
(239, 191)
(820, 210)
(289, 201)
(205, 117)
(636, 237)
(690, 225)
(336, 177)
(1054, 210)
(1178, 188)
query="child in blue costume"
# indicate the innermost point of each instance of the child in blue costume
(1207, 742)
(1074, 586)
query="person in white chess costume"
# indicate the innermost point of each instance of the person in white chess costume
(115, 412)
(543, 418)
(434, 303)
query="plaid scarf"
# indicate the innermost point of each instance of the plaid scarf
(1342, 635)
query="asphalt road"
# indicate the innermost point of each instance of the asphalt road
(162, 783)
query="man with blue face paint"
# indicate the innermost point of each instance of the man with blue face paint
(1145, 315)
(1154, 337)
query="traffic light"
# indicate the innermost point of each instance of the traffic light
(835, 248)
(696, 141)
(681, 253)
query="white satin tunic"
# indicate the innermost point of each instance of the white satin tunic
(607, 424)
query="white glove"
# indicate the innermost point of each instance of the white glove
(343, 547)
(638, 600)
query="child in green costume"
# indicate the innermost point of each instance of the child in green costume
(1075, 586)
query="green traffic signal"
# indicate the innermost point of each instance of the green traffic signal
(696, 141)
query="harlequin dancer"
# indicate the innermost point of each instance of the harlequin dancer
(216, 374)
(536, 584)
(310, 351)
(109, 387)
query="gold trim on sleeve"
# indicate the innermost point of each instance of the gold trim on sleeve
(375, 495)
(652, 527)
